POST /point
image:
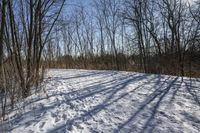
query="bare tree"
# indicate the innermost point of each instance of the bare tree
(2, 77)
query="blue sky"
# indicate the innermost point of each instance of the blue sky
(79, 2)
(70, 4)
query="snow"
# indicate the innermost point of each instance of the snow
(84, 101)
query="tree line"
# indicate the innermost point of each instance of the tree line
(153, 36)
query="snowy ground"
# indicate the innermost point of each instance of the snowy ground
(85, 101)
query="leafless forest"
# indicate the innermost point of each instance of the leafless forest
(151, 36)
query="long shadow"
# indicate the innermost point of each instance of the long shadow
(156, 107)
(36, 113)
(191, 89)
(192, 118)
(111, 90)
(88, 91)
(57, 79)
(159, 92)
(176, 89)
(107, 102)
(81, 75)
(102, 87)
(79, 94)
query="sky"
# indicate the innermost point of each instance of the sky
(80, 2)
(88, 2)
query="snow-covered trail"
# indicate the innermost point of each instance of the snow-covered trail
(110, 101)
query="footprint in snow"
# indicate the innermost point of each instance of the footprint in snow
(53, 115)
(57, 119)
(42, 125)
(31, 131)
(64, 116)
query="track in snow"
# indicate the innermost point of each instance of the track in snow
(110, 101)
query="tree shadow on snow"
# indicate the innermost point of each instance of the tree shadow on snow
(113, 92)
(118, 84)
(194, 91)
(159, 94)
